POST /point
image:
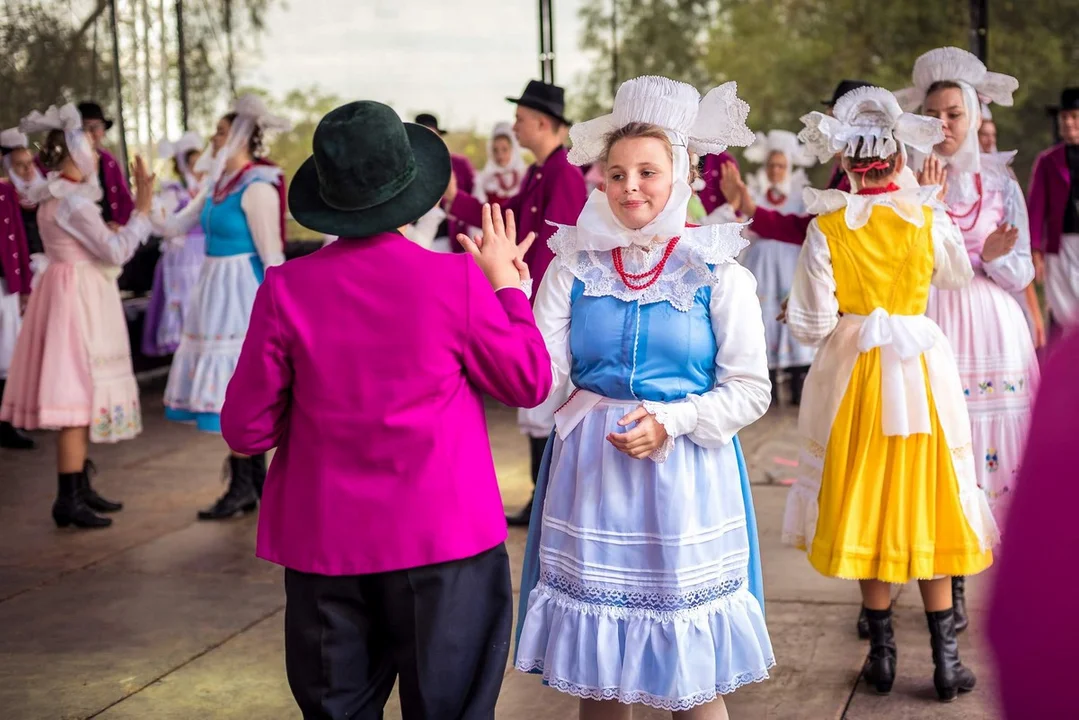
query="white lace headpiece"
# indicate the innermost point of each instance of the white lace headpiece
(707, 126)
(871, 115)
(178, 151)
(251, 112)
(12, 139)
(781, 141)
(68, 119)
(517, 163)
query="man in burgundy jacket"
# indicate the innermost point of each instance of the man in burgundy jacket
(553, 190)
(14, 280)
(116, 202)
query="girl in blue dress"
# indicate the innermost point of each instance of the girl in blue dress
(642, 577)
(241, 210)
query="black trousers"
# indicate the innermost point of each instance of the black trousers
(444, 630)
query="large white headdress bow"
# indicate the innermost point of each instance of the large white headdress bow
(872, 117)
(703, 126)
(956, 65)
(68, 119)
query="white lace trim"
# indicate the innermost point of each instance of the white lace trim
(687, 269)
(636, 697)
(996, 177)
(908, 203)
(676, 419)
(57, 186)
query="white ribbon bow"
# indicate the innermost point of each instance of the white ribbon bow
(902, 340)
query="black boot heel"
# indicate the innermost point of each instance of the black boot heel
(240, 498)
(879, 669)
(951, 677)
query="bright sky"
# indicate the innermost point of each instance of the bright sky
(459, 59)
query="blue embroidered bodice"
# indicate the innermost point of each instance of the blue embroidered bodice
(226, 228)
(628, 351)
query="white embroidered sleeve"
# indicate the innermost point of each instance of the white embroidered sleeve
(812, 310)
(742, 391)
(1014, 271)
(81, 218)
(179, 224)
(261, 204)
(951, 262)
(552, 310)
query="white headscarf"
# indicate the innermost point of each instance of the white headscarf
(178, 151)
(11, 139)
(786, 143)
(950, 64)
(251, 112)
(707, 126)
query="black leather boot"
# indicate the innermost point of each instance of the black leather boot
(959, 603)
(240, 498)
(258, 469)
(863, 625)
(879, 669)
(950, 677)
(10, 437)
(772, 378)
(89, 495)
(537, 446)
(69, 507)
(798, 380)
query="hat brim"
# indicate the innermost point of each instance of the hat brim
(433, 170)
(539, 107)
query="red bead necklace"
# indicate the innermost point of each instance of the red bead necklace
(976, 210)
(632, 281)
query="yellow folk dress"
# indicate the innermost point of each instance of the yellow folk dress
(887, 488)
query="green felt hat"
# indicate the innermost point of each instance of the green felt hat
(370, 173)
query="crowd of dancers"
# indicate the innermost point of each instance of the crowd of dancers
(673, 299)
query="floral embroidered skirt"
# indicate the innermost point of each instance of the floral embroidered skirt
(643, 593)
(772, 264)
(72, 361)
(214, 331)
(997, 366)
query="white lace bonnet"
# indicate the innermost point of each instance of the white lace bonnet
(781, 141)
(251, 112)
(873, 116)
(12, 139)
(68, 119)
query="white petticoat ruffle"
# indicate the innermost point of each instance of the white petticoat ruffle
(214, 331)
(687, 270)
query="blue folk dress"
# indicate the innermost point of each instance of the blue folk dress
(220, 310)
(642, 577)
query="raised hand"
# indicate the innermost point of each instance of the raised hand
(1000, 242)
(496, 251)
(934, 173)
(144, 186)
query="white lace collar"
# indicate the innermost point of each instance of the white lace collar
(57, 186)
(687, 270)
(908, 203)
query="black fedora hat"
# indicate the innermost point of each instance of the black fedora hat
(429, 121)
(1069, 100)
(547, 99)
(92, 111)
(844, 87)
(370, 173)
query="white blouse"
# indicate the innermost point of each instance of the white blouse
(80, 217)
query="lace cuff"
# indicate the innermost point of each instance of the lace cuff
(677, 418)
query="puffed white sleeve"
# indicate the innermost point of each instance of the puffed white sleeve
(813, 310)
(743, 390)
(1014, 271)
(170, 225)
(951, 261)
(552, 310)
(261, 204)
(81, 218)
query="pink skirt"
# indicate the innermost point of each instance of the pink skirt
(997, 366)
(72, 361)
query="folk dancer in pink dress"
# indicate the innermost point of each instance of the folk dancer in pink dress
(181, 258)
(72, 366)
(984, 323)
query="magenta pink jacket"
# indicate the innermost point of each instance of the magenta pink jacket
(365, 365)
(1047, 197)
(1033, 627)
